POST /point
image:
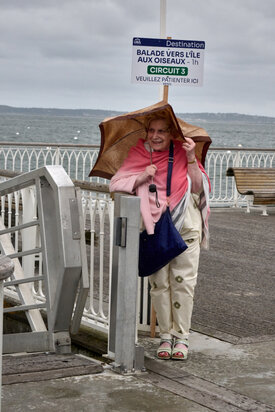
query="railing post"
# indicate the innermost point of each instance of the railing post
(122, 347)
(29, 234)
(237, 163)
(57, 156)
(6, 270)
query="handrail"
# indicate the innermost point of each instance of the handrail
(82, 184)
(9, 173)
(34, 144)
(243, 149)
(96, 146)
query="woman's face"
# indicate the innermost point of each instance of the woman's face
(158, 135)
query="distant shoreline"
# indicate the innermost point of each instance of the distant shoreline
(207, 117)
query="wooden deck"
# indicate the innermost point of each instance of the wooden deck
(234, 298)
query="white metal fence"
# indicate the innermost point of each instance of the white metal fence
(78, 160)
(98, 210)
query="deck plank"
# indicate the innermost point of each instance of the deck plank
(42, 366)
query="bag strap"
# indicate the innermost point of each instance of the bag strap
(170, 169)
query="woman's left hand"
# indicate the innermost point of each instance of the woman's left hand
(189, 146)
(193, 168)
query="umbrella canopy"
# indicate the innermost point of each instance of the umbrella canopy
(120, 133)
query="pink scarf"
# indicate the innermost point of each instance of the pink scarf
(136, 162)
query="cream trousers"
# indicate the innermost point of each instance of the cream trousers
(172, 287)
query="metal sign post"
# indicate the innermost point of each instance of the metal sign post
(163, 92)
(167, 61)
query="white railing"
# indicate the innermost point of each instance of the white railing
(98, 217)
(98, 210)
(223, 189)
(78, 160)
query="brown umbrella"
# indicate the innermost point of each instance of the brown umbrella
(120, 133)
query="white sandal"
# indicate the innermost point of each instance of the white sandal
(163, 349)
(182, 352)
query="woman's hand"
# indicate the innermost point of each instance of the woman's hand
(149, 171)
(189, 146)
(193, 168)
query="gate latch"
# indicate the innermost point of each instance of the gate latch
(121, 231)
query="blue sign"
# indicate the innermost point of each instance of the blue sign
(185, 44)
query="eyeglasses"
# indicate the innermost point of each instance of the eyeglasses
(160, 132)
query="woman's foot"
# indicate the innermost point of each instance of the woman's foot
(165, 349)
(180, 349)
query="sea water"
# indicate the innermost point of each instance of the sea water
(85, 130)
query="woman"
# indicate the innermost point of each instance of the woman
(172, 287)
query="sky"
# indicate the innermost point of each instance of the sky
(78, 54)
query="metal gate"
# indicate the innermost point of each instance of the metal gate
(51, 233)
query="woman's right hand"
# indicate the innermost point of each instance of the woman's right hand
(151, 170)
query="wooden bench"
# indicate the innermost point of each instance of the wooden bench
(256, 182)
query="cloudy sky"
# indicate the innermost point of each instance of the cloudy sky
(78, 53)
